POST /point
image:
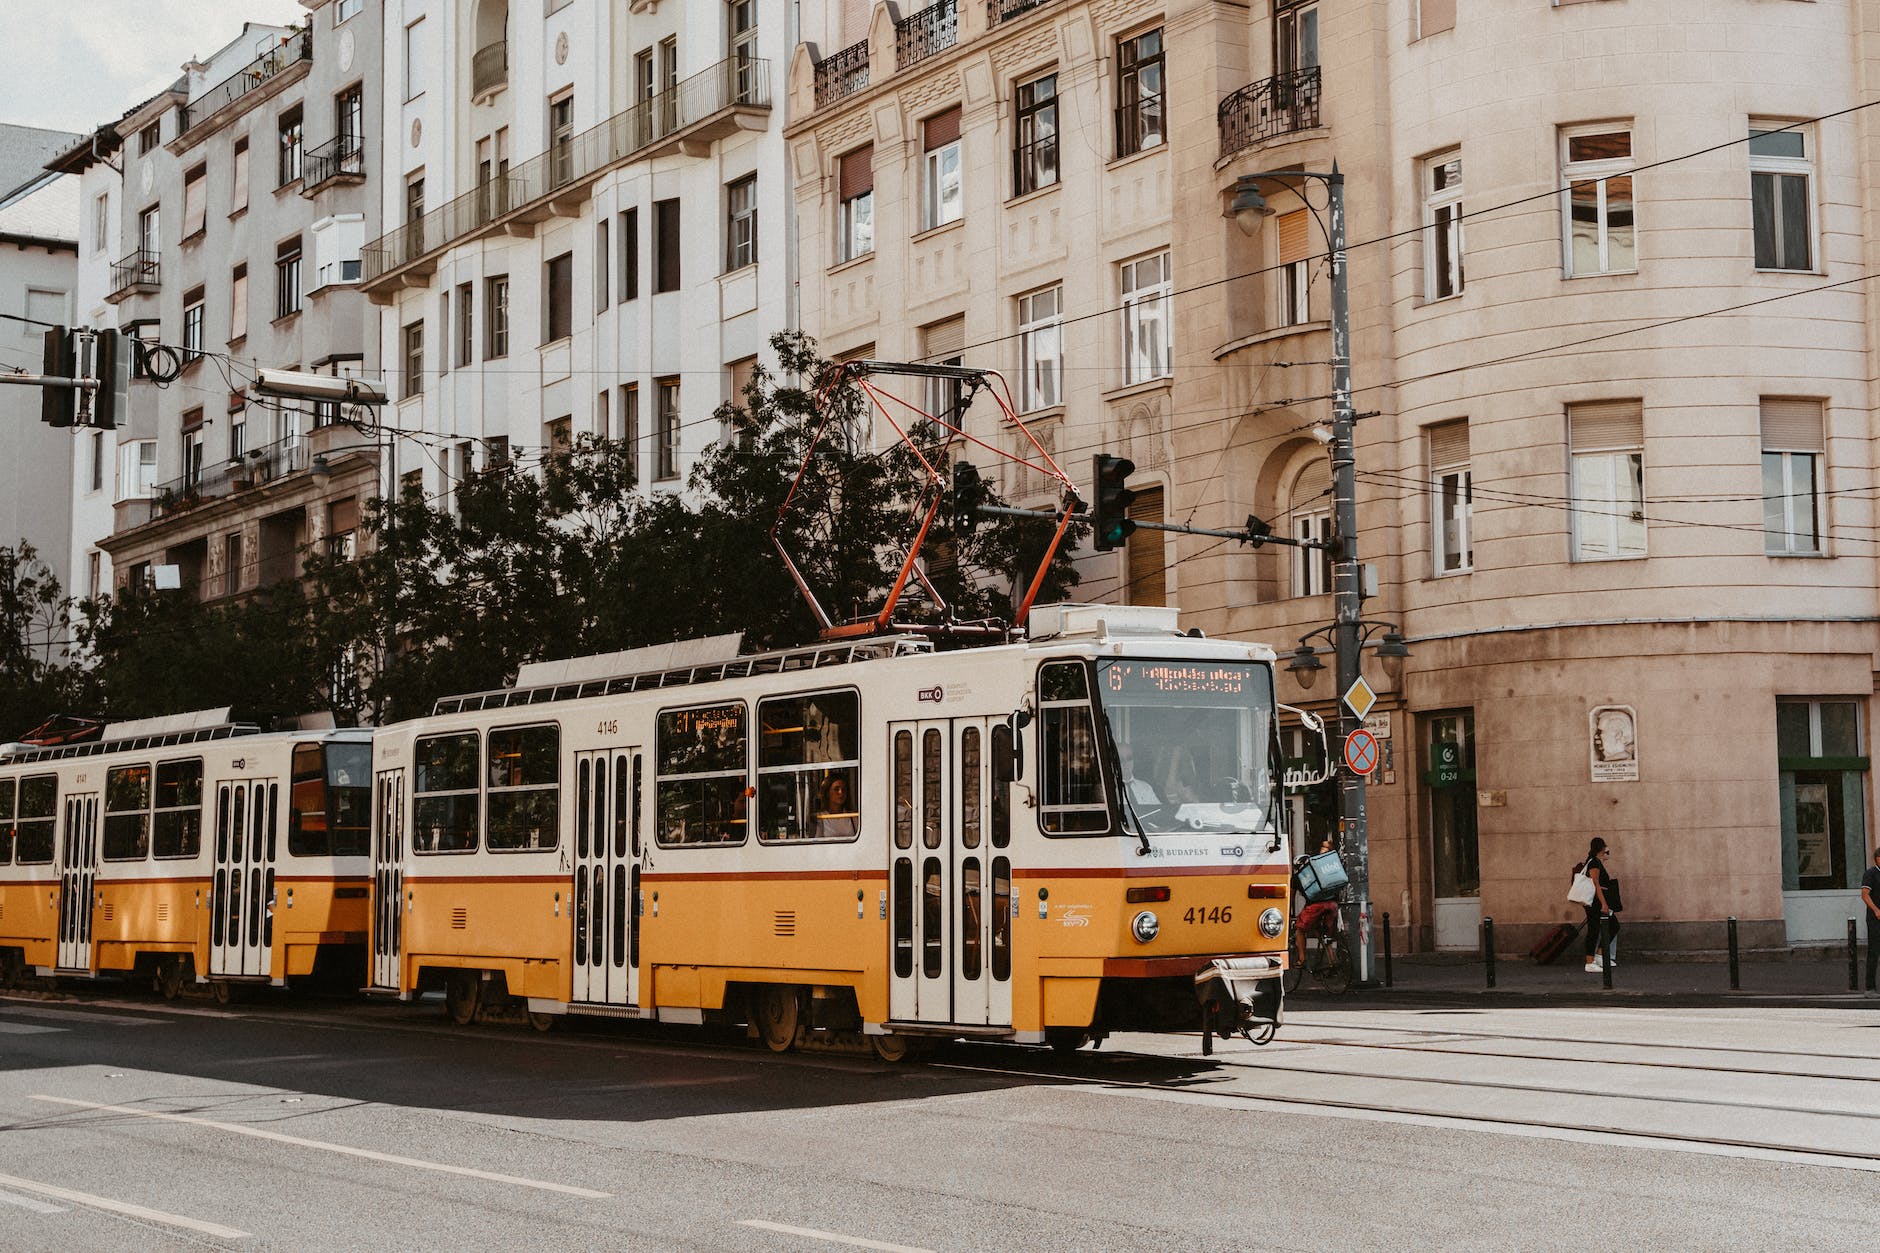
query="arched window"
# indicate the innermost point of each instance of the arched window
(1309, 517)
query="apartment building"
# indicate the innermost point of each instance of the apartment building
(585, 227)
(1612, 356)
(245, 194)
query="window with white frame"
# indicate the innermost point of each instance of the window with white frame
(1294, 234)
(1597, 203)
(1791, 476)
(1781, 183)
(1442, 222)
(741, 223)
(415, 39)
(137, 470)
(944, 343)
(192, 325)
(1147, 318)
(1035, 155)
(1452, 498)
(942, 198)
(1040, 349)
(855, 225)
(1139, 100)
(348, 9)
(101, 221)
(1606, 439)
(1309, 518)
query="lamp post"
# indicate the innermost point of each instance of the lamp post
(1248, 207)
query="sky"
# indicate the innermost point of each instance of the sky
(72, 64)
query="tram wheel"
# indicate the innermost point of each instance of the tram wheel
(543, 1022)
(12, 970)
(462, 992)
(892, 1048)
(225, 993)
(774, 1010)
(170, 977)
(1066, 1039)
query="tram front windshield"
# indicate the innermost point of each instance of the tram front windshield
(1193, 744)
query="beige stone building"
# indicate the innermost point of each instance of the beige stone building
(1612, 346)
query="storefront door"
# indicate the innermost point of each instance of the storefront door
(1823, 795)
(1455, 858)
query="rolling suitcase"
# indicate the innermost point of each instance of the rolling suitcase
(1554, 943)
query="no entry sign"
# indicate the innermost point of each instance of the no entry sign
(1361, 752)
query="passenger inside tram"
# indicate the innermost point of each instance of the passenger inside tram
(836, 815)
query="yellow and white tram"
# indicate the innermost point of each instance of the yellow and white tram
(190, 849)
(1041, 841)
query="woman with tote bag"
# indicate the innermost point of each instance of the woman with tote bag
(1601, 926)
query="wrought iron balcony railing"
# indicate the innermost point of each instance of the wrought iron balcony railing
(142, 268)
(290, 52)
(489, 68)
(934, 29)
(731, 84)
(842, 74)
(1269, 108)
(259, 466)
(1005, 10)
(343, 156)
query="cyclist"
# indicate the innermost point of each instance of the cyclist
(1319, 918)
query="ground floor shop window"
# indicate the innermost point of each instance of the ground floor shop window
(1823, 784)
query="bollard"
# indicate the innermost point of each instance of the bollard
(1386, 950)
(1605, 960)
(1488, 949)
(1853, 958)
(1736, 971)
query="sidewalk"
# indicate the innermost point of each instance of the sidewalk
(1448, 977)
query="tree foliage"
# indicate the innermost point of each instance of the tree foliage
(519, 565)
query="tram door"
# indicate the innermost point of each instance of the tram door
(388, 879)
(607, 877)
(940, 878)
(78, 869)
(241, 896)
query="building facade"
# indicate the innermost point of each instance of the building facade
(585, 231)
(1612, 354)
(247, 192)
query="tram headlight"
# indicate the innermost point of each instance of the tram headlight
(1272, 922)
(1145, 927)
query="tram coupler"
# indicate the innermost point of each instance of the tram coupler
(1239, 996)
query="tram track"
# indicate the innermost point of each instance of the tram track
(1592, 1061)
(1745, 1050)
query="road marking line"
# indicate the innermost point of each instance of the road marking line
(346, 1150)
(28, 1028)
(810, 1233)
(125, 1208)
(77, 1015)
(28, 1202)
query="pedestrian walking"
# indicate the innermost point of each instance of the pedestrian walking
(1602, 923)
(1870, 897)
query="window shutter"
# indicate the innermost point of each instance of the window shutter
(343, 515)
(946, 340)
(1435, 16)
(858, 173)
(944, 129)
(1148, 562)
(195, 203)
(1606, 424)
(1295, 238)
(1449, 444)
(1313, 487)
(238, 194)
(238, 305)
(1791, 425)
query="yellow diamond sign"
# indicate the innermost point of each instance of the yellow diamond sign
(1359, 698)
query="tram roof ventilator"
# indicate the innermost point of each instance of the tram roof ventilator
(140, 733)
(1067, 620)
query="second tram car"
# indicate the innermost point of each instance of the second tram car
(189, 849)
(1042, 841)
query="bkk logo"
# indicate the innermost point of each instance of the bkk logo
(933, 694)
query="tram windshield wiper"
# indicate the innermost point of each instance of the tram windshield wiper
(1130, 816)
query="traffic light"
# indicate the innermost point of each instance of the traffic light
(113, 381)
(57, 405)
(967, 493)
(1109, 517)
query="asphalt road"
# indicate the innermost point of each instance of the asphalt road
(126, 1123)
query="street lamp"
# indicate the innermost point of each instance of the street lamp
(1247, 208)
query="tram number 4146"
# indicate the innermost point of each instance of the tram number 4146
(1220, 913)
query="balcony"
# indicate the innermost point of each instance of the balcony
(341, 159)
(138, 274)
(919, 36)
(296, 49)
(1268, 109)
(730, 96)
(842, 74)
(259, 467)
(489, 69)
(1006, 10)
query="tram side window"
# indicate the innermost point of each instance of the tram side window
(349, 798)
(703, 776)
(1073, 802)
(6, 821)
(307, 834)
(127, 813)
(444, 793)
(808, 767)
(525, 788)
(39, 800)
(177, 826)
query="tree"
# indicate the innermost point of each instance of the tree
(35, 678)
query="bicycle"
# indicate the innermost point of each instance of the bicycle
(1320, 949)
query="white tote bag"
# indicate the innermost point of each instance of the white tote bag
(1582, 892)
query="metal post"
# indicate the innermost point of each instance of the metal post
(1386, 935)
(1488, 949)
(1853, 958)
(1736, 971)
(1605, 958)
(1354, 840)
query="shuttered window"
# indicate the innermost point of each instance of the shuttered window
(1435, 16)
(855, 179)
(1606, 424)
(858, 173)
(1295, 285)
(1295, 237)
(1791, 425)
(195, 201)
(1792, 461)
(1147, 552)
(942, 129)
(1452, 498)
(1607, 443)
